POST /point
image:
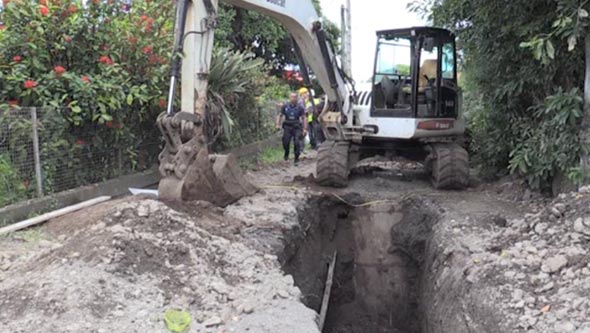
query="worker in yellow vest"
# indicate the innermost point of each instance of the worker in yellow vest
(319, 133)
(303, 102)
(313, 123)
(311, 114)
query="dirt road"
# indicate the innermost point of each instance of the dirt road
(410, 259)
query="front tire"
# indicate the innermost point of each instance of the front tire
(449, 165)
(332, 166)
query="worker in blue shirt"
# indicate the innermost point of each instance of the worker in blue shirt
(292, 120)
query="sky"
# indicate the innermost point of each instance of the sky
(368, 16)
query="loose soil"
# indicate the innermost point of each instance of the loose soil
(492, 258)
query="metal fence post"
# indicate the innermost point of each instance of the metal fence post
(120, 161)
(36, 154)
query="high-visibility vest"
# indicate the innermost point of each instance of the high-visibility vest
(308, 105)
(310, 115)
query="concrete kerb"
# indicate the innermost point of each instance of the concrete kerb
(114, 187)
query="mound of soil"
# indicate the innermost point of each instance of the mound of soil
(121, 272)
(545, 264)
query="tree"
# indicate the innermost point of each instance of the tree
(571, 25)
(246, 30)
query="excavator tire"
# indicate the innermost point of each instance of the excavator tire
(449, 166)
(332, 164)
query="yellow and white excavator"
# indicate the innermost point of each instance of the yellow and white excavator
(412, 106)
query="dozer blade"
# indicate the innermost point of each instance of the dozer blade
(189, 173)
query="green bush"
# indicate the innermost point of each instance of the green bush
(97, 72)
(104, 62)
(553, 145)
(12, 188)
(244, 97)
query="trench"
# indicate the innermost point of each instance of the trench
(378, 272)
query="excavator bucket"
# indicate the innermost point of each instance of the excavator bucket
(188, 171)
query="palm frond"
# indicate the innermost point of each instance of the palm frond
(229, 77)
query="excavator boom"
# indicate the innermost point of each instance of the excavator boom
(188, 171)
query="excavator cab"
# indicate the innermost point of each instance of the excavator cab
(415, 74)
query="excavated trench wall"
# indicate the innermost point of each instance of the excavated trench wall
(387, 271)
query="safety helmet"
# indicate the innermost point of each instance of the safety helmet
(302, 91)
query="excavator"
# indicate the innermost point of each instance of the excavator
(411, 107)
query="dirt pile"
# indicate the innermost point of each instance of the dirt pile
(121, 272)
(511, 272)
(545, 264)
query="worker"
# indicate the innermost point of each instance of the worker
(306, 104)
(303, 96)
(313, 123)
(319, 134)
(292, 120)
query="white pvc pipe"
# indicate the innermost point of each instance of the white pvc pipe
(56, 213)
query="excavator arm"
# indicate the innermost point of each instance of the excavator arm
(299, 18)
(188, 171)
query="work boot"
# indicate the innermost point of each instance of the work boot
(296, 161)
(286, 157)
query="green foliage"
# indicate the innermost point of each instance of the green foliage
(403, 69)
(249, 31)
(231, 76)
(242, 99)
(271, 155)
(277, 90)
(519, 99)
(97, 60)
(97, 72)
(551, 145)
(12, 188)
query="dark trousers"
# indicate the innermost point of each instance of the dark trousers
(319, 135)
(312, 129)
(292, 133)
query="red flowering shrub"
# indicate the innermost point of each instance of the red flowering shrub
(103, 67)
(105, 60)
(147, 50)
(29, 84)
(59, 70)
(43, 10)
(128, 73)
(76, 58)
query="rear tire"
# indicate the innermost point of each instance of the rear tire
(449, 167)
(332, 167)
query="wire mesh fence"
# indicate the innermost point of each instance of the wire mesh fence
(41, 152)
